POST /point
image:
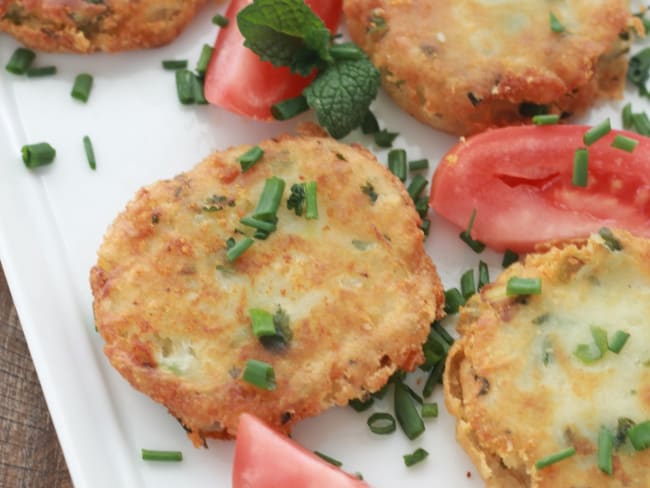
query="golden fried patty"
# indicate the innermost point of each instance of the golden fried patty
(463, 66)
(355, 284)
(527, 378)
(85, 26)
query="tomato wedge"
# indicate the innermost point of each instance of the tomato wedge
(519, 180)
(239, 82)
(265, 458)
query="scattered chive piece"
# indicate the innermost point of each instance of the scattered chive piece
(466, 236)
(641, 123)
(40, 154)
(346, 51)
(624, 143)
(425, 226)
(418, 164)
(383, 138)
(369, 124)
(288, 109)
(262, 322)
(588, 354)
(238, 248)
(260, 374)
(556, 25)
(204, 59)
(523, 286)
(381, 423)
(83, 84)
(483, 275)
(610, 241)
(174, 64)
(596, 132)
(220, 20)
(198, 91)
(580, 167)
(311, 200)
(453, 300)
(605, 446)
(40, 72)
(418, 455)
(397, 163)
(331, 460)
(546, 119)
(258, 224)
(429, 410)
(435, 377)
(20, 61)
(90, 152)
(509, 257)
(618, 341)
(417, 185)
(554, 458)
(361, 405)
(185, 86)
(406, 413)
(422, 206)
(626, 116)
(153, 455)
(639, 435)
(467, 286)
(269, 201)
(250, 157)
(443, 333)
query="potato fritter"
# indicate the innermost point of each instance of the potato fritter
(534, 375)
(354, 286)
(467, 65)
(87, 26)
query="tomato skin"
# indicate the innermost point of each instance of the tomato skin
(238, 81)
(265, 458)
(519, 180)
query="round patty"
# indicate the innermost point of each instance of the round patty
(463, 66)
(534, 376)
(84, 26)
(354, 286)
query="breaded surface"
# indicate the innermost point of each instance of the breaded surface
(83, 26)
(520, 392)
(463, 66)
(358, 288)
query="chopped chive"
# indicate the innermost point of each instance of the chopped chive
(329, 459)
(425, 226)
(417, 185)
(624, 143)
(198, 90)
(258, 224)
(580, 167)
(406, 413)
(174, 64)
(618, 341)
(443, 333)
(288, 109)
(453, 300)
(605, 446)
(422, 206)
(596, 132)
(641, 123)
(250, 157)
(311, 200)
(589, 354)
(610, 241)
(434, 378)
(83, 84)
(523, 286)
(40, 154)
(41, 72)
(554, 458)
(626, 116)
(546, 119)
(467, 286)
(415, 457)
(204, 59)
(397, 163)
(429, 410)
(509, 257)
(269, 201)
(383, 138)
(381, 423)
(261, 322)
(220, 20)
(90, 152)
(238, 248)
(369, 124)
(20, 61)
(185, 86)
(418, 164)
(260, 374)
(556, 25)
(346, 51)
(639, 435)
(483, 275)
(153, 455)
(361, 405)
(466, 236)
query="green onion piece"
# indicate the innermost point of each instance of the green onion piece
(443, 333)
(406, 413)
(605, 446)
(250, 157)
(434, 378)
(418, 455)
(624, 143)
(381, 423)
(453, 300)
(467, 286)
(383, 138)
(556, 26)
(639, 435)
(40, 72)
(40, 154)
(220, 20)
(580, 167)
(346, 51)
(198, 90)
(618, 341)
(546, 119)
(185, 86)
(417, 398)
(554, 458)
(425, 226)
(369, 124)
(417, 185)
(626, 116)
(20, 61)
(587, 353)
(610, 241)
(174, 64)
(262, 322)
(641, 123)
(83, 84)
(311, 200)
(90, 152)
(258, 224)
(238, 249)
(361, 405)
(288, 109)
(429, 410)
(397, 163)
(153, 455)
(466, 236)
(418, 164)
(260, 374)
(422, 206)
(509, 257)
(483, 275)
(270, 199)
(204, 59)
(331, 460)
(596, 132)
(523, 286)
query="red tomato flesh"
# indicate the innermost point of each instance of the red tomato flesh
(239, 82)
(265, 458)
(519, 180)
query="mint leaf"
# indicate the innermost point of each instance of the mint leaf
(342, 93)
(286, 33)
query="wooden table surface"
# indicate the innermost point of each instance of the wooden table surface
(30, 455)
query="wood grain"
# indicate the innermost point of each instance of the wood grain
(30, 455)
